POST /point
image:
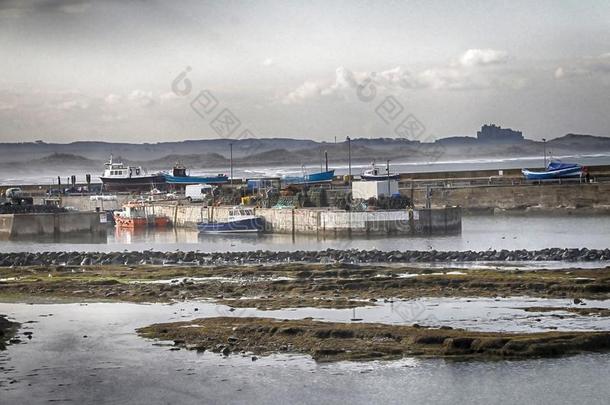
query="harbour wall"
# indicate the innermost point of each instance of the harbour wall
(570, 196)
(326, 221)
(583, 196)
(18, 225)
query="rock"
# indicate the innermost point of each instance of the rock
(226, 351)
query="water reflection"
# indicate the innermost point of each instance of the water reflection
(478, 233)
(90, 353)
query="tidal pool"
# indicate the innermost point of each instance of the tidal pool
(90, 353)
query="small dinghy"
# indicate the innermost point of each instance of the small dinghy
(241, 220)
(555, 170)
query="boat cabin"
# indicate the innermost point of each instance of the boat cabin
(120, 171)
(237, 212)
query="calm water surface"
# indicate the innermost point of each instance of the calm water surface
(89, 353)
(478, 233)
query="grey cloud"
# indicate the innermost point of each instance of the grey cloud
(18, 8)
(594, 68)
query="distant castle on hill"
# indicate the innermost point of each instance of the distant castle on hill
(494, 133)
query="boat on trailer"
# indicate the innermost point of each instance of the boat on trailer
(555, 170)
(180, 176)
(240, 220)
(119, 177)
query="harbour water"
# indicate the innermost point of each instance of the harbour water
(85, 353)
(478, 233)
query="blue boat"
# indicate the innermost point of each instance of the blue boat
(219, 179)
(555, 170)
(179, 176)
(321, 177)
(241, 220)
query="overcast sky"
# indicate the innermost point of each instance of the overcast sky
(85, 70)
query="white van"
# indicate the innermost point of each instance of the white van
(198, 192)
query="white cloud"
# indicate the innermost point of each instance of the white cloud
(559, 73)
(268, 62)
(305, 91)
(596, 68)
(7, 106)
(70, 105)
(169, 96)
(481, 57)
(112, 99)
(142, 98)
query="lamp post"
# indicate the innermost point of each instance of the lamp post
(349, 159)
(544, 150)
(388, 170)
(231, 160)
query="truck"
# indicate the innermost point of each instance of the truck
(15, 196)
(198, 192)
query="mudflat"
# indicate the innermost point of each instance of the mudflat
(293, 285)
(328, 341)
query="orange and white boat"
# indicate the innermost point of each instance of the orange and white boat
(133, 215)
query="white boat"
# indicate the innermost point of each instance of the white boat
(119, 177)
(376, 174)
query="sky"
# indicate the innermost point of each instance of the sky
(150, 71)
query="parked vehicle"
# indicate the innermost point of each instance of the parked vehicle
(198, 192)
(15, 196)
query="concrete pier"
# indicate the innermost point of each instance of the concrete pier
(327, 221)
(13, 226)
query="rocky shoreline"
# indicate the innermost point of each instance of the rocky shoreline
(325, 256)
(330, 341)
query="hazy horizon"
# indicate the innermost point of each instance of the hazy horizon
(77, 70)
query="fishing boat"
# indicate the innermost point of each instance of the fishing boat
(376, 174)
(555, 170)
(180, 176)
(119, 177)
(313, 178)
(133, 216)
(240, 220)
